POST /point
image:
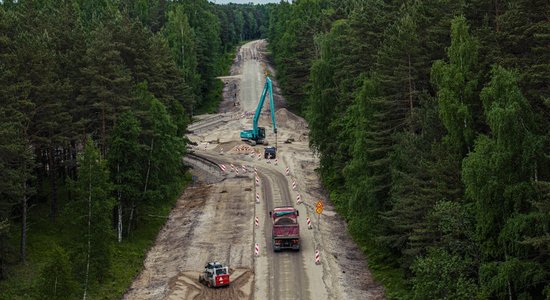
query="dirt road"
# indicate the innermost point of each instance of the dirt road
(214, 219)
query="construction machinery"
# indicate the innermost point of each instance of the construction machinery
(215, 275)
(270, 152)
(286, 230)
(257, 134)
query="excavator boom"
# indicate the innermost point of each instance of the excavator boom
(257, 134)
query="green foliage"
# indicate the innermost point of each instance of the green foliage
(512, 277)
(457, 87)
(56, 279)
(441, 275)
(498, 178)
(182, 42)
(454, 223)
(112, 71)
(508, 151)
(294, 28)
(91, 212)
(392, 128)
(391, 138)
(109, 84)
(125, 156)
(367, 173)
(165, 151)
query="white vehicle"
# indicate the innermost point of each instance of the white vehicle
(215, 275)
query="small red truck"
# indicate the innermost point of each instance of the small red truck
(286, 230)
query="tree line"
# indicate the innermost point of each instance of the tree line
(96, 97)
(431, 122)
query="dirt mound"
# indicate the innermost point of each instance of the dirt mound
(186, 286)
(237, 147)
(242, 149)
(289, 120)
(227, 146)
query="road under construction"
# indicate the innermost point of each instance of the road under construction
(224, 213)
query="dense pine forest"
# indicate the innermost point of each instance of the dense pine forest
(96, 97)
(431, 120)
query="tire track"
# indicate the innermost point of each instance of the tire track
(286, 268)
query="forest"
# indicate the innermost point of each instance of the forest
(96, 98)
(431, 121)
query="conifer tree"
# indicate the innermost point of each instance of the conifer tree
(182, 42)
(108, 87)
(295, 58)
(208, 46)
(367, 174)
(36, 65)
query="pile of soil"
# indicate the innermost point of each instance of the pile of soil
(234, 147)
(289, 120)
(243, 148)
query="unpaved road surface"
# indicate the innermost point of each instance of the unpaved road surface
(215, 218)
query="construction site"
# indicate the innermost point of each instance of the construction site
(226, 214)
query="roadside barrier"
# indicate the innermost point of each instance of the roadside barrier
(222, 167)
(287, 171)
(257, 197)
(317, 256)
(257, 249)
(257, 222)
(308, 223)
(294, 184)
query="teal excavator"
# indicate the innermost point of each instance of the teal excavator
(257, 134)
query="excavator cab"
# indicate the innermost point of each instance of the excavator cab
(261, 133)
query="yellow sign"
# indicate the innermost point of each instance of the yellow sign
(320, 204)
(319, 210)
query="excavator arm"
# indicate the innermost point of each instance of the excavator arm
(257, 134)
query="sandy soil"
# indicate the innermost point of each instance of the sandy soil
(214, 219)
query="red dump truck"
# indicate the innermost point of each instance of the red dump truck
(286, 230)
